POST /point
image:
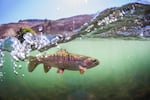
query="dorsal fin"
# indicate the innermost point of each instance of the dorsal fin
(62, 52)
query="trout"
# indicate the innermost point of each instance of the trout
(63, 60)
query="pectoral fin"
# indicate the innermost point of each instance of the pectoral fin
(60, 71)
(82, 69)
(46, 68)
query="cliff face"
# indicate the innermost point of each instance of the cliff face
(11, 29)
(66, 25)
(129, 20)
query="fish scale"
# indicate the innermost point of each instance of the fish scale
(63, 57)
(63, 60)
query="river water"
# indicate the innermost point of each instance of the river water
(123, 74)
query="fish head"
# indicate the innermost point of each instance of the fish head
(89, 62)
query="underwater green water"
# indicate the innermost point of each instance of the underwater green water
(123, 74)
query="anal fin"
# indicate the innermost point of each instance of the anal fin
(46, 68)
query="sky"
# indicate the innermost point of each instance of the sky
(15, 10)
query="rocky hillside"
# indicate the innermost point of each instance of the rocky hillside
(129, 20)
(65, 25)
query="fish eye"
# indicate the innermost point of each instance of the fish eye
(94, 60)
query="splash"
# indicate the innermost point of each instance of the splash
(20, 51)
(1, 58)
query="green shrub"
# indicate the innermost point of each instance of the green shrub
(24, 30)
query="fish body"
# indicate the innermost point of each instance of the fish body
(63, 60)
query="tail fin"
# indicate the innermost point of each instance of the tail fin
(33, 62)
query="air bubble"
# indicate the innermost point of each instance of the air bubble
(23, 75)
(15, 72)
(1, 74)
(20, 66)
(58, 46)
(1, 58)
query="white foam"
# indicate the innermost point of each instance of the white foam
(21, 51)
